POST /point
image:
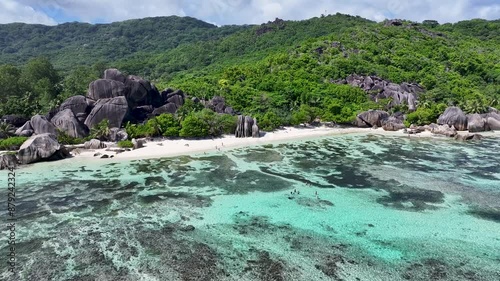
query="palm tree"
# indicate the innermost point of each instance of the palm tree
(6, 130)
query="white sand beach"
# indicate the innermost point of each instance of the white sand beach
(159, 148)
(176, 147)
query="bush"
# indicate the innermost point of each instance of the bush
(225, 124)
(64, 138)
(12, 143)
(195, 125)
(169, 125)
(100, 131)
(269, 121)
(125, 144)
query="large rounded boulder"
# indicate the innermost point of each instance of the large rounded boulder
(492, 120)
(43, 147)
(371, 118)
(142, 92)
(77, 104)
(26, 127)
(67, 122)
(453, 116)
(41, 125)
(476, 123)
(106, 88)
(113, 109)
(114, 74)
(392, 124)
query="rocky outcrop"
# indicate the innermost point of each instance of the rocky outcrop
(371, 118)
(77, 104)
(393, 22)
(245, 127)
(43, 147)
(378, 88)
(392, 124)
(114, 74)
(476, 123)
(255, 129)
(138, 143)
(24, 129)
(453, 116)
(467, 137)
(142, 92)
(15, 120)
(41, 125)
(444, 130)
(67, 122)
(8, 160)
(168, 108)
(218, 104)
(117, 134)
(94, 144)
(114, 110)
(106, 88)
(176, 97)
(492, 120)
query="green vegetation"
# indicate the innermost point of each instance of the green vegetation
(125, 144)
(63, 138)
(281, 72)
(101, 131)
(6, 129)
(12, 143)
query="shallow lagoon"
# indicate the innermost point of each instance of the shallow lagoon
(387, 208)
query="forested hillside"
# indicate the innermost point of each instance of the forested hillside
(282, 72)
(71, 44)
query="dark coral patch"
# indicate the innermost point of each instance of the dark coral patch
(412, 199)
(491, 214)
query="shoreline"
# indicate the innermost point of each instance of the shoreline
(165, 148)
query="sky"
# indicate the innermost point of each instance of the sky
(223, 12)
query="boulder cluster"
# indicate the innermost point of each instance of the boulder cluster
(116, 98)
(448, 124)
(378, 88)
(455, 117)
(247, 127)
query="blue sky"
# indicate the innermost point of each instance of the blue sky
(242, 11)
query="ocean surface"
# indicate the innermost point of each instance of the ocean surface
(351, 207)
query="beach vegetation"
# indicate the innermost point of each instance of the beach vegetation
(12, 143)
(125, 144)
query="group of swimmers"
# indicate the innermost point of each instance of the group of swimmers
(295, 191)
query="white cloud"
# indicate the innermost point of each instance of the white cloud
(252, 11)
(13, 11)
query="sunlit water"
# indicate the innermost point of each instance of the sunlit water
(370, 208)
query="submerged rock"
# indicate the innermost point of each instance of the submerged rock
(42, 147)
(467, 137)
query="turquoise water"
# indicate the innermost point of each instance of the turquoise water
(370, 208)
